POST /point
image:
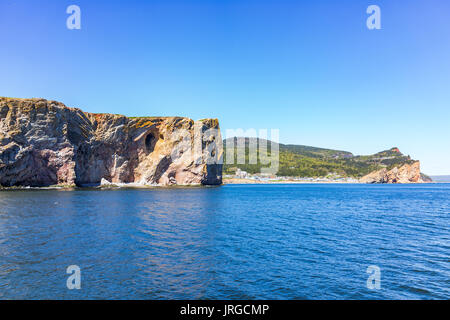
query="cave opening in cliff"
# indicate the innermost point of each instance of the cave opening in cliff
(150, 142)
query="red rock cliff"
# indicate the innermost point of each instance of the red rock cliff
(407, 173)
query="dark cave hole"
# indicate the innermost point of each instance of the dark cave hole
(149, 142)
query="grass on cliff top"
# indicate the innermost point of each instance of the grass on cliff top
(144, 117)
(156, 117)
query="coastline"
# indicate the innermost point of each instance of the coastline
(232, 181)
(120, 186)
(252, 181)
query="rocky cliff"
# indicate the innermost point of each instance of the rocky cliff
(407, 173)
(45, 143)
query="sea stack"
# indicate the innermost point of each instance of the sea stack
(44, 143)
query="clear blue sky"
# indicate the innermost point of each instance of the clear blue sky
(309, 68)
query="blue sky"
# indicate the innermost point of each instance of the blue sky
(311, 69)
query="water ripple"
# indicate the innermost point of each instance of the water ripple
(233, 242)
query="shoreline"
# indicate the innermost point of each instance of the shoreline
(251, 181)
(121, 186)
(225, 182)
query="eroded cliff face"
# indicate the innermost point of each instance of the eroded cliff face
(408, 173)
(45, 143)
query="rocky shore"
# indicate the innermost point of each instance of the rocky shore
(408, 173)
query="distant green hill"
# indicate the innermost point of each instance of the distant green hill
(305, 161)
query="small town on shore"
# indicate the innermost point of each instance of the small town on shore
(244, 177)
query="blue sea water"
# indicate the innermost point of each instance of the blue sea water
(230, 242)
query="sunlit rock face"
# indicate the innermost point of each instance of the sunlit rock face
(408, 173)
(45, 143)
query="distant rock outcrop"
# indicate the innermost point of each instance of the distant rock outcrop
(407, 173)
(45, 143)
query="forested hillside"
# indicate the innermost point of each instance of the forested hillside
(306, 161)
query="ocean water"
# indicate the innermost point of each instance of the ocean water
(230, 242)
